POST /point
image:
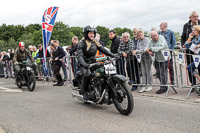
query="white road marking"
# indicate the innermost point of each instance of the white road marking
(9, 90)
(41, 84)
(2, 82)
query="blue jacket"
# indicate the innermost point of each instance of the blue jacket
(195, 41)
(170, 38)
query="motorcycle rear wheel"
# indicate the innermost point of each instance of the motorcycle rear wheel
(124, 103)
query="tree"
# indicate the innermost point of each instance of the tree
(28, 39)
(2, 45)
(178, 36)
(77, 31)
(103, 31)
(32, 28)
(37, 37)
(11, 44)
(119, 31)
(61, 32)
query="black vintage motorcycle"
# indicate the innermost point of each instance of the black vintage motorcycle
(26, 76)
(106, 87)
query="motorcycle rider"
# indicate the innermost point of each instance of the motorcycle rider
(21, 55)
(86, 51)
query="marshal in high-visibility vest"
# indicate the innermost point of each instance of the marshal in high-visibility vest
(35, 54)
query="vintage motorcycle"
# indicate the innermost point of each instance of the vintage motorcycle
(106, 87)
(26, 76)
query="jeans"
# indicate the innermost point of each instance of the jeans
(64, 68)
(191, 68)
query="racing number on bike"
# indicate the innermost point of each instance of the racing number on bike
(110, 69)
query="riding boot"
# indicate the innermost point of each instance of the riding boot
(84, 89)
(60, 83)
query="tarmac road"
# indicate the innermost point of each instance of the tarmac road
(53, 110)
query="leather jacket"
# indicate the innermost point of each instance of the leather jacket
(86, 56)
(20, 56)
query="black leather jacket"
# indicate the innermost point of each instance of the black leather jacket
(86, 57)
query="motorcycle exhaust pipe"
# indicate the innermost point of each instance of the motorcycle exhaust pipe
(80, 97)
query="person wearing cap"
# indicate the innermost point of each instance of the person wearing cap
(21, 55)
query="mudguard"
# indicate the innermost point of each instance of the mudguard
(119, 78)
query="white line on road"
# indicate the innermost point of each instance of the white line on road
(2, 82)
(9, 90)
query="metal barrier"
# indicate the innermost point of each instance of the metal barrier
(187, 79)
(6, 69)
(140, 67)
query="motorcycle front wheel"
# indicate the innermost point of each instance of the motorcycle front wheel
(19, 85)
(31, 82)
(124, 103)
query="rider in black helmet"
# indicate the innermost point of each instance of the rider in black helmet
(86, 51)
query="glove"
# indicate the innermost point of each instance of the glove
(115, 56)
(15, 63)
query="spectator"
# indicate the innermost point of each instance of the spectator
(1, 66)
(74, 46)
(125, 49)
(137, 67)
(155, 46)
(171, 42)
(154, 64)
(57, 54)
(135, 36)
(194, 38)
(115, 42)
(6, 65)
(73, 51)
(40, 56)
(98, 39)
(146, 61)
(63, 60)
(114, 49)
(30, 47)
(11, 54)
(153, 29)
(35, 55)
(187, 29)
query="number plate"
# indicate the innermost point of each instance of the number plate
(110, 69)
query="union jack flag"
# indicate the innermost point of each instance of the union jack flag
(48, 20)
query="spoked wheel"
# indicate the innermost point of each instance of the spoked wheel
(31, 82)
(124, 102)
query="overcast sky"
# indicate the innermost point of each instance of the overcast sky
(143, 14)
